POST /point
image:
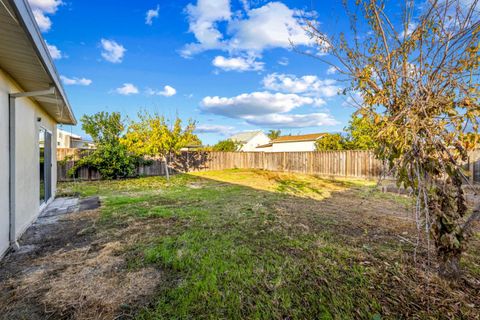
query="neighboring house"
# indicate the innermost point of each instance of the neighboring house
(305, 142)
(32, 103)
(250, 140)
(267, 147)
(67, 139)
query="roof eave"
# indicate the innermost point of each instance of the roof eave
(28, 23)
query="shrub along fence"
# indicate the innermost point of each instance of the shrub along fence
(348, 164)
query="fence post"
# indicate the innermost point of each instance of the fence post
(471, 169)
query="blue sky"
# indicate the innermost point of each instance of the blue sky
(226, 64)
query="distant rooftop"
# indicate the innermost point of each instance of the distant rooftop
(244, 137)
(303, 137)
(67, 133)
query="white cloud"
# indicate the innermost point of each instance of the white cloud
(308, 84)
(223, 130)
(44, 22)
(268, 109)
(237, 64)
(47, 6)
(76, 81)
(273, 25)
(410, 29)
(127, 89)
(354, 99)
(283, 61)
(112, 51)
(151, 14)
(55, 53)
(331, 70)
(293, 120)
(254, 104)
(319, 102)
(42, 8)
(167, 91)
(203, 19)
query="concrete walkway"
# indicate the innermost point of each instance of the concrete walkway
(62, 206)
(46, 222)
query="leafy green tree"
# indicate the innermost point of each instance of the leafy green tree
(226, 146)
(153, 136)
(361, 133)
(274, 134)
(110, 158)
(417, 73)
(330, 141)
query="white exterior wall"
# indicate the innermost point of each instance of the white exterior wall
(63, 139)
(293, 146)
(27, 168)
(257, 140)
(4, 183)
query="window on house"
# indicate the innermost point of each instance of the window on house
(41, 144)
(45, 164)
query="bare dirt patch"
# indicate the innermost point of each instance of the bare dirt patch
(67, 270)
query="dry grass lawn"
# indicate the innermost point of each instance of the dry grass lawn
(237, 244)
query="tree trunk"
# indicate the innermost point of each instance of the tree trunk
(165, 161)
(447, 207)
(449, 265)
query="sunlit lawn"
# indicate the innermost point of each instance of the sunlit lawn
(244, 244)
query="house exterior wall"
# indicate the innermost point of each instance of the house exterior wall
(63, 139)
(4, 170)
(257, 140)
(27, 169)
(294, 146)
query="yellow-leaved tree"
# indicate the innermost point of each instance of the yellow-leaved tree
(155, 137)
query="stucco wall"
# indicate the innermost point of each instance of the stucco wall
(4, 210)
(259, 139)
(293, 146)
(27, 169)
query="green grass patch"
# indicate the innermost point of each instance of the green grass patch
(251, 244)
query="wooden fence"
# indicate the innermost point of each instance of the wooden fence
(361, 164)
(349, 164)
(473, 166)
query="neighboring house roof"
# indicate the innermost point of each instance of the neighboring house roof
(299, 138)
(24, 56)
(244, 137)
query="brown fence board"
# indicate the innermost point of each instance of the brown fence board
(348, 164)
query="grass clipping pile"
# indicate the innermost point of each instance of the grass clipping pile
(86, 282)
